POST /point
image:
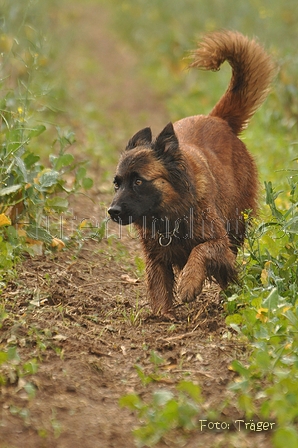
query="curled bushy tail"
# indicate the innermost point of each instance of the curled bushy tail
(252, 73)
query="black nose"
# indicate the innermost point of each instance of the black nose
(114, 211)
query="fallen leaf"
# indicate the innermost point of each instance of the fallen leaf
(59, 337)
(127, 279)
(123, 350)
(57, 243)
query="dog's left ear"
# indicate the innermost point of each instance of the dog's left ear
(141, 138)
(166, 142)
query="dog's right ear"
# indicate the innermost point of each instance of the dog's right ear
(141, 138)
(166, 142)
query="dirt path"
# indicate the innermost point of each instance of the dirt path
(85, 324)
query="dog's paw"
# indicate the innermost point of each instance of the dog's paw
(163, 308)
(167, 316)
(189, 287)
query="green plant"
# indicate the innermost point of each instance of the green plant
(156, 360)
(165, 411)
(268, 317)
(140, 266)
(33, 193)
(133, 315)
(56, 425)
(268, 379)
(14, 371)
(9, 254)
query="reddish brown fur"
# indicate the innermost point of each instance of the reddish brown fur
(222, 177)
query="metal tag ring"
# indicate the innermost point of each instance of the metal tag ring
(164, 238)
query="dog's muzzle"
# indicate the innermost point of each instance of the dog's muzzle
(114, 211)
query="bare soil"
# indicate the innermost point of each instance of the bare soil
(83, 314)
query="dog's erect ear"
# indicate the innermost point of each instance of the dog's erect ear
(141, 138)
(167, 141)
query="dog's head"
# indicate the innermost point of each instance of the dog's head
(147, 177)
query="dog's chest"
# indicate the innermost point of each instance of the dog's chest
(174, 251)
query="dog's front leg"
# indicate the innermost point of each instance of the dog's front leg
(160, 279)
(210, 259)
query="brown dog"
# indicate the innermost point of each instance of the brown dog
(186, 191)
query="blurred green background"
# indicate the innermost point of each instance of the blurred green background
(163, 32)
(40, 40)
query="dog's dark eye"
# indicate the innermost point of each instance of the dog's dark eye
(116, 186)
(138, 182)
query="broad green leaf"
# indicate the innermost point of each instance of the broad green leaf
(30, 389)
(12, 354)
(81, 173)
(292, 225)
(64, 160)
(235, 327)
(39, 234)
(146, 379)
(265, 409)
(30, 367)
(238, 367)
(3, 357)
(162, 396)
(87, 183)
(291, 261)
(271, 302)
(36, 131)
(14, 140)
(48, 178)
(263, 360)
(131, 401)
(155, 358)
(57, 203)
(256, 302)
(193, 390)
(246, 403)
(9, 190)
(22, 167)
(187, 412)
(170, 413)
(31, 159)
(285, 437)
(292, 318)
(236, 319)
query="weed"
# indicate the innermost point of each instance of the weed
(268, 317)
(24, 413)
(167, 410)
(56, 425)
(33, 195)
(133, 315)
(140, 266)
(14, 371)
